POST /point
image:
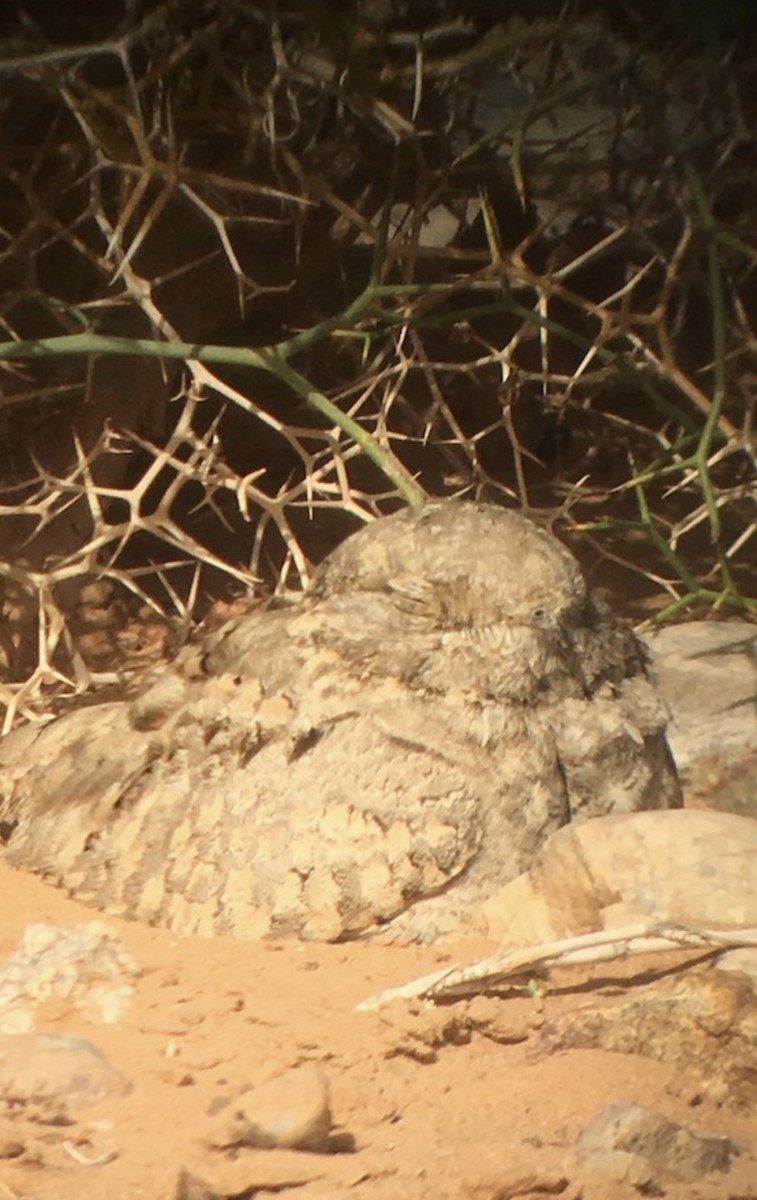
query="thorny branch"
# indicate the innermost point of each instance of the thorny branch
(346, 265)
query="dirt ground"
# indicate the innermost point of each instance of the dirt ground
(425, 1105)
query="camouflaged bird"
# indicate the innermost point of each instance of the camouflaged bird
(380, 756)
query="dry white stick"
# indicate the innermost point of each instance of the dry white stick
(510, 966)
(99, 1160)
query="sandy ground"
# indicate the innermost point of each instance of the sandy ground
(423, 1106)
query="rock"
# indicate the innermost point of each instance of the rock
(233, 1179)
(382, 754)
(191, 1187)
(743, 959)
(622, 867)
(11, 1147)
(532, 1181)
(421, 1031)
(633, 1144)
(707, 673)
(703, 1023)
(55, 1073)
(85, 965)
(290, 1111)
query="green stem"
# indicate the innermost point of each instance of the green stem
(665, 549)
(717, 300)
(409, 489)
(264, 359)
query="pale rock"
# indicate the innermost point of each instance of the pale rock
(742, 959)
(84, 965)
(706, 671)
(529, 1180)
(58, 1070)
(242, 1176)
(291, 1110)
(689, 866)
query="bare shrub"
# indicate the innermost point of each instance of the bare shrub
(268, 273)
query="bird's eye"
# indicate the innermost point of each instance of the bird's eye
(539, 616)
